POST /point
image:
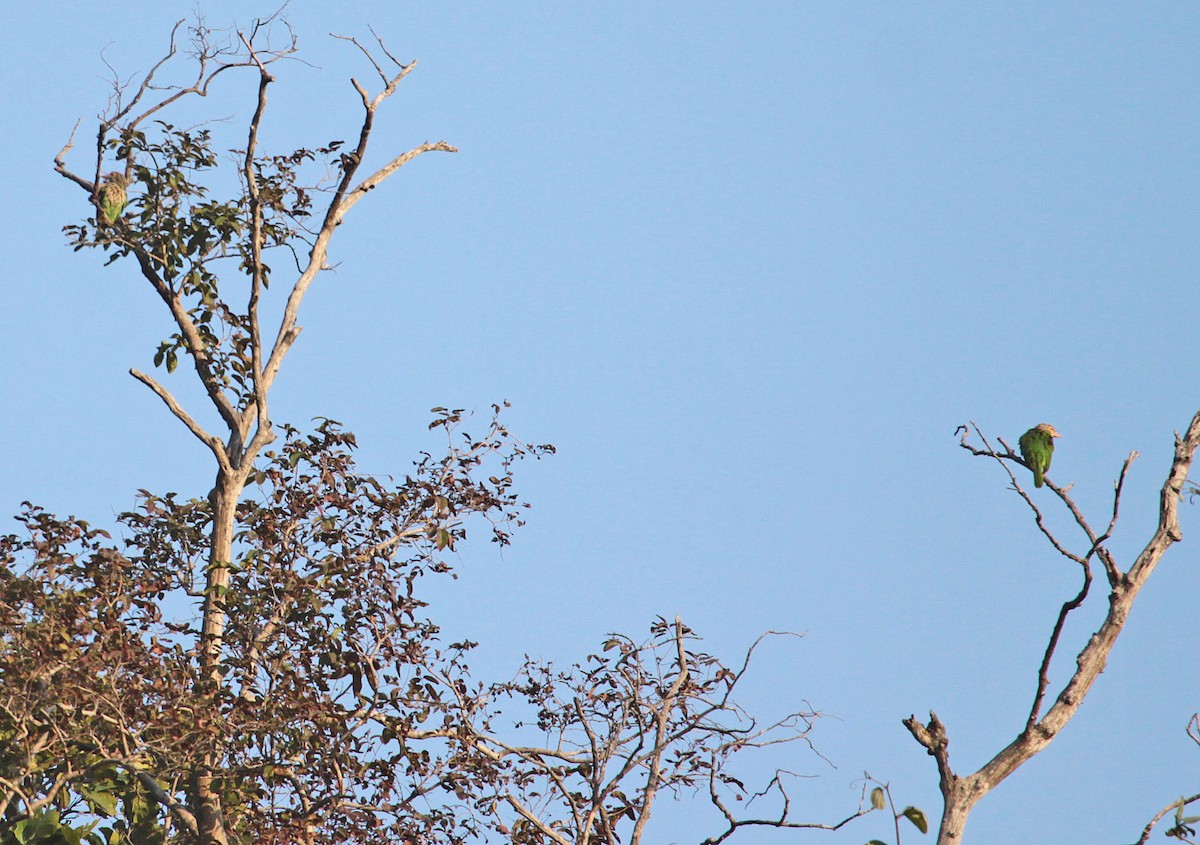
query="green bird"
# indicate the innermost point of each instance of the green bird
(1037, 448)
(113, 198)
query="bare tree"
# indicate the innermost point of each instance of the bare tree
(637, 720)
(961, 792)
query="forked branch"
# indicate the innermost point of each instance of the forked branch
(960, 793)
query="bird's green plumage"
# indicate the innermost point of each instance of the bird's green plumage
(113, 198)
(1037, 448)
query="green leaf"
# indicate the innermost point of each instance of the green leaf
(915, 816)
(172, 361)
(876, 842)
(100, 800)
(40, 827)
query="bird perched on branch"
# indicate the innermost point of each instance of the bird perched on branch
(113, 198)
(1037, 448)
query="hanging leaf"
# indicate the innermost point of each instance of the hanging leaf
(915, 816)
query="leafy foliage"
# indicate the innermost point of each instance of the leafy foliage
(336, 685)
(183, 237)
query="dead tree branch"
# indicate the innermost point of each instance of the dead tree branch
(962, 792)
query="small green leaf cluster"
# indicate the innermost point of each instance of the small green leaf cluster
(880, 798)
(181, 236)
(1182, 828)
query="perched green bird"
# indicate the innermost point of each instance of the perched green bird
(113, 198)
(1037, 448)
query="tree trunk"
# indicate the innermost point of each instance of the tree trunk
(206, 795)
(954, 821)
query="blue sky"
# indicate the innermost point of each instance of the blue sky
(748, 269)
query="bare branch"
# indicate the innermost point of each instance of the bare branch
(212, 442)
(1174, 806)
(60, 165)
(1110, 566)
(387, 81)
(781, 821)
(342, 201)
(205, 54)
(1048, 657)
(1009, 455)
(263, 434)
(373, 181)
(962, 792)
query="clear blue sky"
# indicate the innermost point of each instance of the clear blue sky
(748, 269)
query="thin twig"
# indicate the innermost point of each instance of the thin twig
(1174, 805)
